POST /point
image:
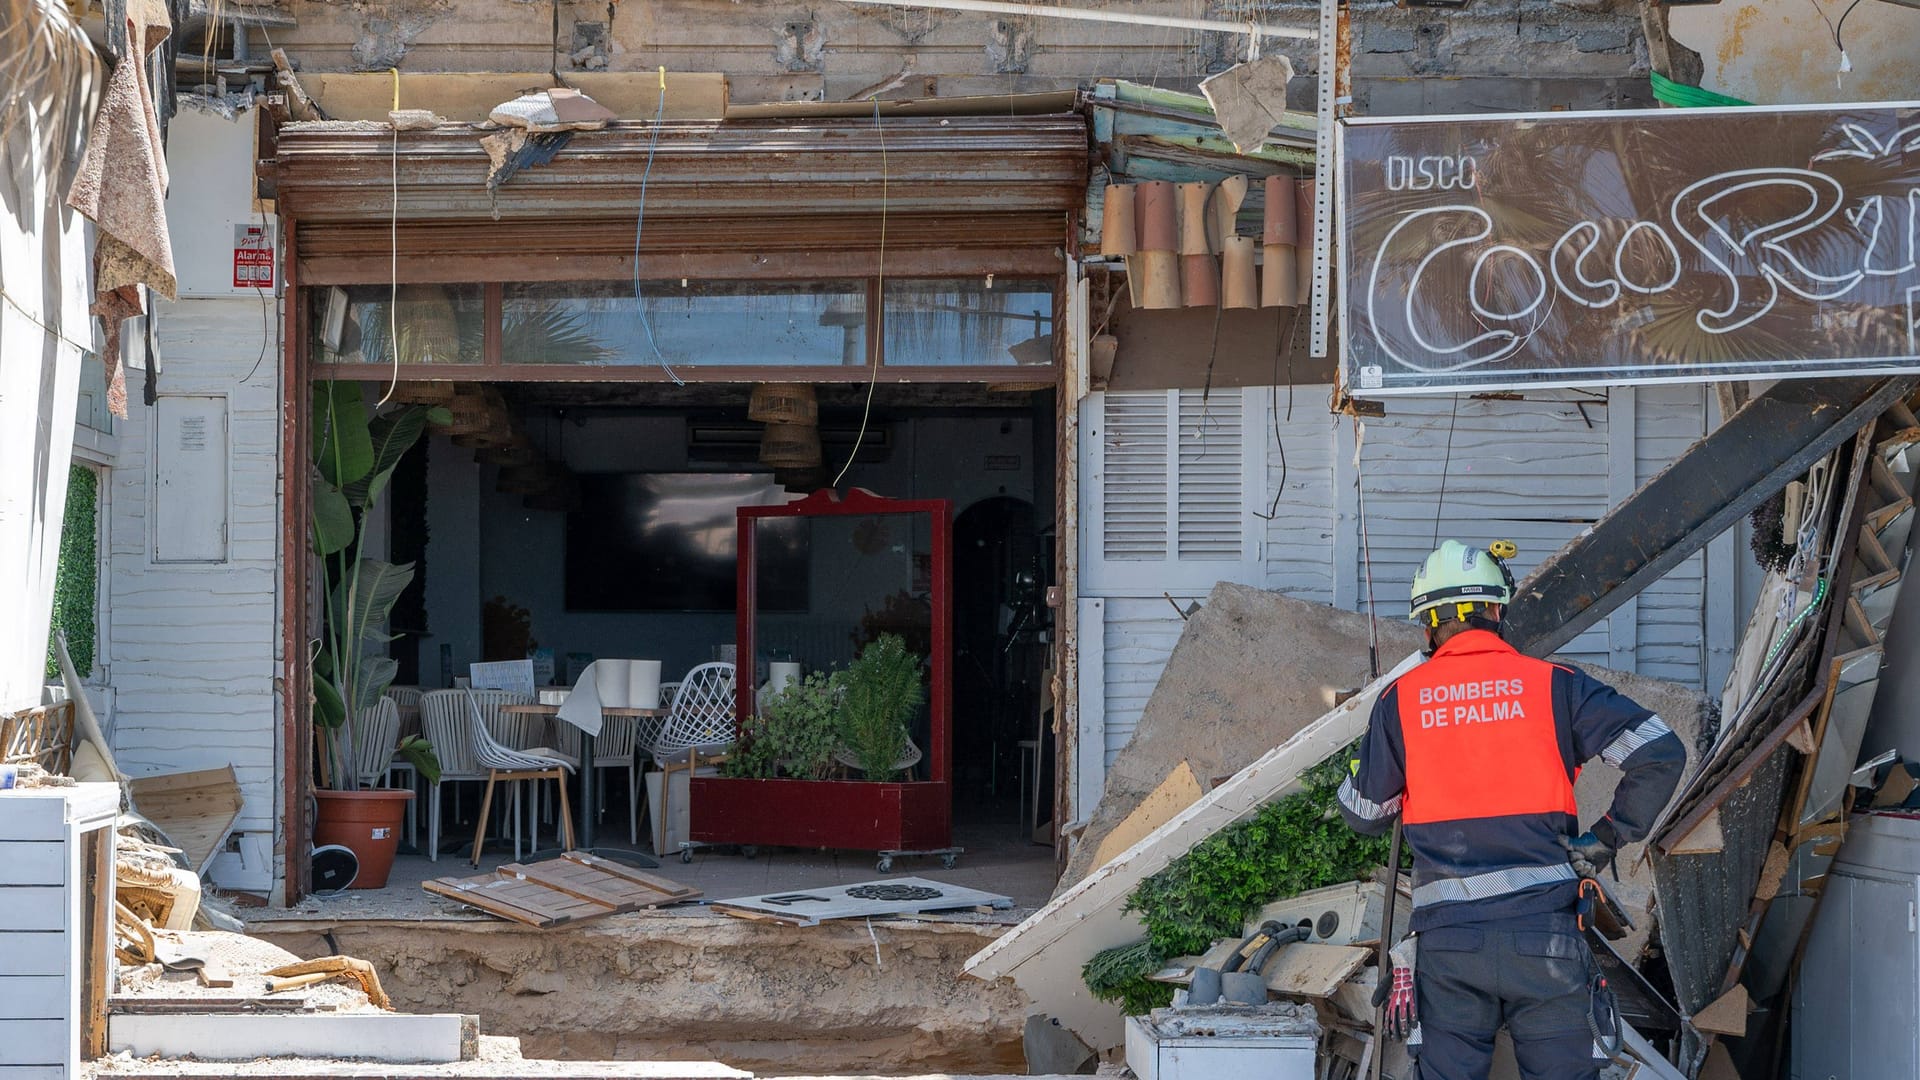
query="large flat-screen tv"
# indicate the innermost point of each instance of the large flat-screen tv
(669, 541)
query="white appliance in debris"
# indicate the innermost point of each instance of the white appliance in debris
(1274, 1043)
(1856, 1008)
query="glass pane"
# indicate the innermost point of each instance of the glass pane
(437, 324)
(829, 586)
(964, 322)
(704, 323)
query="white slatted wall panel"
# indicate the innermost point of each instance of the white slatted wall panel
(1137, 478)
(1211, 504)
(1668, 639)
(1299, 462)
(1533, 471)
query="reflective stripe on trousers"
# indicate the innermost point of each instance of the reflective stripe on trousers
(1487, 886)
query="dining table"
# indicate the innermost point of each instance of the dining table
(587, 779)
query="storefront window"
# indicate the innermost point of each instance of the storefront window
(435, 324)
(964, 322)
(702, 323)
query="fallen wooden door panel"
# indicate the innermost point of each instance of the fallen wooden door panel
(1044, 954)
(195, 809)
(572, 888)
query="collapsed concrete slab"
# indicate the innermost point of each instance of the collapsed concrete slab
(1246, 691)
(1251, 668)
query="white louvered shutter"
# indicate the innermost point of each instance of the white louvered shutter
(1170, 485)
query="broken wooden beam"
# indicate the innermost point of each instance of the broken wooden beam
(1719, 480)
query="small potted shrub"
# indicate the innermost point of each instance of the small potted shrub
(880, 691)
(775, 789)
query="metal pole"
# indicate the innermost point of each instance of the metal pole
(1051, 11)
(1386, 947)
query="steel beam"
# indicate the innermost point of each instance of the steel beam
(1718, 481)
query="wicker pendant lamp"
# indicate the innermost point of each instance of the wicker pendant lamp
(783, 403)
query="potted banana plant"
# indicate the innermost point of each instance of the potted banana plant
(354, 456)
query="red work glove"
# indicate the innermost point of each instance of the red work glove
(1402, 1016)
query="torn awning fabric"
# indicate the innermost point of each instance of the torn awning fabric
(121, 187)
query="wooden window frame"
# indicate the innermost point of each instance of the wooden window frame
(493, 368)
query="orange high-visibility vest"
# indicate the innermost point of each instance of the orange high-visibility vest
(1480, 737)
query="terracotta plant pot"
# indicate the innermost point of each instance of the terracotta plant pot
(366, 823)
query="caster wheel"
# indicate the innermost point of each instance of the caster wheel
(686, 855)
(948, 861)
(749, 851)
(885, 866)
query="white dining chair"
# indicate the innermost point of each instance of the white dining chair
(376, 731)
(504, 763)
(444, 723)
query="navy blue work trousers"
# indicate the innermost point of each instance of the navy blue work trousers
(1532, 975)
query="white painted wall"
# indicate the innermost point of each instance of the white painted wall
(1537, 471)
(193, 648)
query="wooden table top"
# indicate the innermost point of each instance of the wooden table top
(554, 710)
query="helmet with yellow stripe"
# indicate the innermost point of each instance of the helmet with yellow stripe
(1458, 582)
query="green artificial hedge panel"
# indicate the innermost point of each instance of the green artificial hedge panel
(1289, 846)
(76, 585)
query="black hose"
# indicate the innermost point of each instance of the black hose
(1274, 943)
(1276, 936)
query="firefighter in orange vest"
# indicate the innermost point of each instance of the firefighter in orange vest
(1476, 751)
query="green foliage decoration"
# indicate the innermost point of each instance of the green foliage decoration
(881, 688)
(1289, 846)
(1120, 975)
(795, 733)
(354, 456)
(76, 582)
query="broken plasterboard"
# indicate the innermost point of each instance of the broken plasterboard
(572, 888)
(1044, 954)
(195, 809)
(893, 896)
(1178, 791)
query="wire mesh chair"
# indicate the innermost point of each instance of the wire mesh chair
(699, 725)
(506, 763)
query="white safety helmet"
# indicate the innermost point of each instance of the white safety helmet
(1457, 581)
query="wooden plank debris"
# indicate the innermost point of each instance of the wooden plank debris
(1727, 1015)
(1314, 971)
(572, 888)
(195, 809)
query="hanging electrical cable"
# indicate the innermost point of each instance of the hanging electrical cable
(393, 253)
(878, 323)
(639, 229)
